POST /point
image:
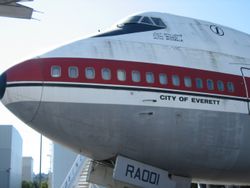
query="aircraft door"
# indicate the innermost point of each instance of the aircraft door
(246, 79)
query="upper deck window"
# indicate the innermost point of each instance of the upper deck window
(150, 77)
(210, 84)
(188, 82)
(230, 87)
(106, 74)
(73, 72)
(56, 71)
(163, 79)
(199, 83)
(220, 85)
(176, 80)
(121, 75)
(136, 77)
(90, 73)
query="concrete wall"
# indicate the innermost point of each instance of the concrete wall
(5, 152)
(10, 157)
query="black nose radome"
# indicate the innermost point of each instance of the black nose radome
(2, 85)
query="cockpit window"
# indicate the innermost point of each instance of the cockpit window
(146, 20)
(158, 22)
(136, 24)
(133, 19)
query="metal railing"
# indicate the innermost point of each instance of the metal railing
(74, 171)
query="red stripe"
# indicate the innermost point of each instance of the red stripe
(28, 71)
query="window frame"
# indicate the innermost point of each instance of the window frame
(146, 17)
(219, 84)
(208, 85)
(158, 22)
(121, 71)
(187, 81)
(199, 83)
(86, 73)
(52, 69)
(163, 75)
(230, 87)
(77, 71)
(151, 74)
(133, 73)
(177, 79)
(103, 73)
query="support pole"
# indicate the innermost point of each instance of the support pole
(40, 168)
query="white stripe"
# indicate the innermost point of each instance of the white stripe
(127, 86)
(141, 98)
(122, 97)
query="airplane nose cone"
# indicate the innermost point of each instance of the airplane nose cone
(2, 85)
(21, 89)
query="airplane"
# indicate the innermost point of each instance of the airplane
(12, 8)
(167, 91)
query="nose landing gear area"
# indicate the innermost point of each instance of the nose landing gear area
(133, 174)
(2, 85)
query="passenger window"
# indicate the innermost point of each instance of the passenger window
(188, 82)
(121, 75)
(136, 77)
(56, 71)
(150, 77)
(210, 84)
(158, 22)
(199, 83)
(175, 80)
(146, 20)
(163, 79)
(73, 72)
(220, 85)
(90, 73)
(230, 87)
(106, 74)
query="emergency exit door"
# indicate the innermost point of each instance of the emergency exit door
(246, 79)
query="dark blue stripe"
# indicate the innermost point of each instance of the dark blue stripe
(2, 85)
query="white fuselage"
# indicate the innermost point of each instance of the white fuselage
(192, 130)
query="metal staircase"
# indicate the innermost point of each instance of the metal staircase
(77, 176)
(82, 183)
(70, 179)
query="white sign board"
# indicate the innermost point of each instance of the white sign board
(142, 175)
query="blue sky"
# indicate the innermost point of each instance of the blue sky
(64, 20)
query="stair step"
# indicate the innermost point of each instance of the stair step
(82, 183)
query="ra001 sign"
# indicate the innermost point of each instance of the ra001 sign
(139, 174)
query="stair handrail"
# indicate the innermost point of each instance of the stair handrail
(76, 167)
(85, 169)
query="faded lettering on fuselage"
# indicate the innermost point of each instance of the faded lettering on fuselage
(167, 36)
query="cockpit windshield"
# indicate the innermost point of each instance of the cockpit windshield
(136, 24)
(144, 20)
